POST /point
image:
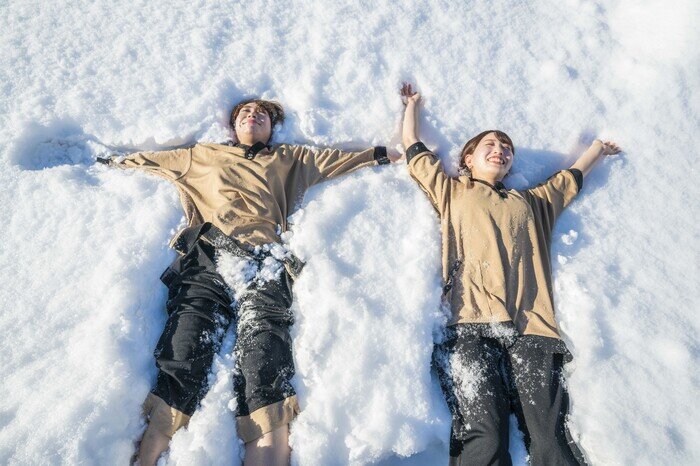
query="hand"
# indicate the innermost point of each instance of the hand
(608, 147)
(395, 157)
(408, 94)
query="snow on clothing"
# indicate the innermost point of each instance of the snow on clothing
(198, 316)
(486, 371)
(495, 244)
(247, 193)
(497, 275)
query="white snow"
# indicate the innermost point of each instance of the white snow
(82, 245)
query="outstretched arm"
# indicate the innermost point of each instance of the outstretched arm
(325, 164)
(593, 154)
(169, 164)
(550, 198)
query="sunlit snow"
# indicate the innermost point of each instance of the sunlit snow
(83, 245)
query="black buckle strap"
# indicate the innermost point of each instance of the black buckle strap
(217, 238)
(211, 234)
(186, 239)
(451, 276)
(414, 150)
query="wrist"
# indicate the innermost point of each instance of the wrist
(598, 145)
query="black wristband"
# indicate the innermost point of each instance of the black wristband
(105, 161)
(380, 155)
(415, 149)
(578, 176)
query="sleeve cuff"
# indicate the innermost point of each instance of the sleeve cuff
(380, 155)
(578, 176)
(415, 149)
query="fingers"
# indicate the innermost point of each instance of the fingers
(611, 148)
(395, 157)
(407, 90)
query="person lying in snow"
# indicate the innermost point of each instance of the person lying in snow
(237, 198)
(502, 346)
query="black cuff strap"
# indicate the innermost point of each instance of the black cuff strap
(415, 149)
(105, 161)
(578, 176)
(380, 155)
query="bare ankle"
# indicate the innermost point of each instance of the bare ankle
(152, 445)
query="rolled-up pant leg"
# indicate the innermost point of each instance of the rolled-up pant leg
(198, 316)
(265, 366)
(470, 368)
(541, 402)
(185, 352)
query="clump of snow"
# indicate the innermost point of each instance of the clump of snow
(569, 238)
(238, 272)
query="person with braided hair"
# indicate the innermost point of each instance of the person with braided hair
(502, 349)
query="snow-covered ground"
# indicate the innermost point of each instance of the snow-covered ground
(82, 246)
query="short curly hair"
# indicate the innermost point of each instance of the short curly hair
(473, 142)
(273, 109)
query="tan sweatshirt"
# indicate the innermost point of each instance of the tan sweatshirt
(496, 244)
(248, 195)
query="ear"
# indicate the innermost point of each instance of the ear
(468, 161)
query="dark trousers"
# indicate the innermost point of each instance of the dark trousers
(486, 375)
(199, 313)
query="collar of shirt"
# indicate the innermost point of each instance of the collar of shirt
(249, 152)
(499, 187)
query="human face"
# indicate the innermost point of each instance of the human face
(253, 125)
(491, 159)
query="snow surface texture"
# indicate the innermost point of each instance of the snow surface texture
(83, 245)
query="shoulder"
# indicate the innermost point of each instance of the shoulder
(559, 180)
(287, 150)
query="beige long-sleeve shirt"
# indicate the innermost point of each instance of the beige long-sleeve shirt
(247, 195)
(496, 244)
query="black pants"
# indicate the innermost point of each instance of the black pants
(486, 373)
(199, 313)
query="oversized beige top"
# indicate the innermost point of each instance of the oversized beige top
(247, 195)
(496, 245)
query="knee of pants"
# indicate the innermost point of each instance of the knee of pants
(190, 339)
(264, 353)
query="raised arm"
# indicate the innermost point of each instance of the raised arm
(411, 100)
(423, 165)
(593, 154)
(169, 164)
(550, 198)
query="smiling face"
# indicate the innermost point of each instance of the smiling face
(491, 158)
(252, 124)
